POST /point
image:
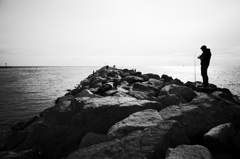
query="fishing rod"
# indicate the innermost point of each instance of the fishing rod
(194, 66)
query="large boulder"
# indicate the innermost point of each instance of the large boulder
(176, 81)
(28, 154)
(132, 79)
(14, 139)
(148, 143)
(220, 137)
(187, 93)
(166, 78)
(152, 75)
(87, 93)
(188, 152)
(57, 141)
(96, 80)
(93, 138)
(170, 99)
(236, 142)
(202, 114)
(99, 114)
(143, 91)
(136, 121)
(155, 82)
(63, 126)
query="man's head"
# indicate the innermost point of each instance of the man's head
(204, 47)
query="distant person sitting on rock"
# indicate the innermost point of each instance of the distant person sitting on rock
(205, 60)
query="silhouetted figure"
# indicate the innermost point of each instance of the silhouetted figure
(205, 60)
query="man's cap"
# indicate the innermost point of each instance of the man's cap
(203, 47)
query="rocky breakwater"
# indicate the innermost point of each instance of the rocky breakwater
(121, 113)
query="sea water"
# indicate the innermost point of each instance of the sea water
(26, 91)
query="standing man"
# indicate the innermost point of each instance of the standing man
(205, 60)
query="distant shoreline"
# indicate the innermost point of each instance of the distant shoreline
(5, 67)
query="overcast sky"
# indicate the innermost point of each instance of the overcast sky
(120, 32)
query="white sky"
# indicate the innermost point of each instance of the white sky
(118, 32)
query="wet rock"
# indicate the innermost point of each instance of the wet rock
(149, 143)
(188, 152)
(136, 121)
(186, 93)
(220, 137)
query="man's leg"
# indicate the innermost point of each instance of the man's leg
(204, 75)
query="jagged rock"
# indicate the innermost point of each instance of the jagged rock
(152, 75)
(176, 81)
(132, 79)
(75, 91)
(64, 98)
(149, 143)
(14, 139)
(170, 99)
(63, 129)
(220, 137)
(202, 114)
(57, 141)
(109, 93)
(93, 138)
(222, 95)
(104, 88)
(156, 83)
(28, 154)
(85, 82)
(143, 91)
(187, 93)
(188, 152)
(113, 74)
(97, 85)
(222, 155)
(136, 121)
(96, 80)
(99, 114)
(236, 141)
(139, 74)
(19, 126)
(166, 78)
(87, 93)
(121, 94)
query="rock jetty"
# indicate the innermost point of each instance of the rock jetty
(124, 114)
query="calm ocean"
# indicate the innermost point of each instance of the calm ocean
(26, 91)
